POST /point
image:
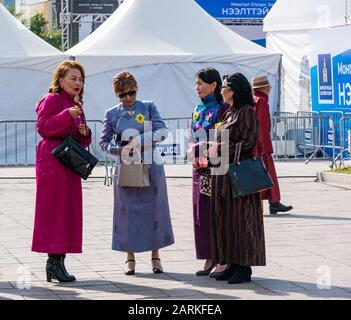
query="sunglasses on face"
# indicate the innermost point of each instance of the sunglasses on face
(129, 94)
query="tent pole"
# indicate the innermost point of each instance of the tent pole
(346, 15)
(280, 84)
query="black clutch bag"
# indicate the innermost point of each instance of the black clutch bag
(248, 176)
(70, 153)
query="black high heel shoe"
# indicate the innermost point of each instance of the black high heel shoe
(205, 272)
(156, 269)
(227, 273)
(55, 269)
(242, 274)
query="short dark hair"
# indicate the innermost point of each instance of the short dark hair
(242, 89)
(210, 75)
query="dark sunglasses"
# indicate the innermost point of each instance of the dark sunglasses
(130, 94)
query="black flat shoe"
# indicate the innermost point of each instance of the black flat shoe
(274, 208)
(227, 273)
(242, 274)
(157, 269)
(215, 274)
(131, 271)
(205, 272)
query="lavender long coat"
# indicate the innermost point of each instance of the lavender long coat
(58, 209)
(141, 220)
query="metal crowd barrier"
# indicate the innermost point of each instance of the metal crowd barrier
(307, 135)
(19, 140)
(345, 141)
(303, 137)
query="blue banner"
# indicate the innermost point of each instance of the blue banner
(239, 9)
(331, 82)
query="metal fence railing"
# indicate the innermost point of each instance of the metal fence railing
(313, 135)
(344, 151)
(19, 139)
(305, 135)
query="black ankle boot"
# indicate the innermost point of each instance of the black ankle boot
(227, 273)
(63, 257)
(274, 208)
(242, 274)
(55, 269)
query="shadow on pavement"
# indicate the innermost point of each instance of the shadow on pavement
(267, 287)
(37, 292)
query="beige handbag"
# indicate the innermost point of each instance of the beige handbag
(133, 175)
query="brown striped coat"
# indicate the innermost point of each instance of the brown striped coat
(237, 223)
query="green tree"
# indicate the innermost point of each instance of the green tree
(53, 37)
(37, 23)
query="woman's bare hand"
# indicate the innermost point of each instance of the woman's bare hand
(83, 129)
(75, 112)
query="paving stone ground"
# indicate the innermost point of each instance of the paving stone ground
(308, 251)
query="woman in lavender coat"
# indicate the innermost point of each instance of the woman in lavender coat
(58, 209)
(141, 219)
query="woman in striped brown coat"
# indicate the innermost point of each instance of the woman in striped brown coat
(236, 223)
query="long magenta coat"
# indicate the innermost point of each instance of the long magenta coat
(58, 210)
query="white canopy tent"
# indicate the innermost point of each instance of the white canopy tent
(287, 26)
(26, 65)
(163, 43)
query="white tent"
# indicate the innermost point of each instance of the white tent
(164, 43)
(26, 65)
(288, 25)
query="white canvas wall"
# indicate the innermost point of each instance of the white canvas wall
(295, 78)
(170, 86)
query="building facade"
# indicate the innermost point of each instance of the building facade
(44, 7)
(8, 3)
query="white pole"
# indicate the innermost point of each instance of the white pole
(346, 13)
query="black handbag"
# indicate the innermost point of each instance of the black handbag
(71, 154)
(248, 176)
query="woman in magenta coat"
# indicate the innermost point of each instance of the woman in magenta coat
(58, 210)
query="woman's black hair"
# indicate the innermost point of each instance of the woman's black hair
(242, 89)
(209, 75)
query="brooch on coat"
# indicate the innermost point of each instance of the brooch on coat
(218, 125)
(140, 118)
